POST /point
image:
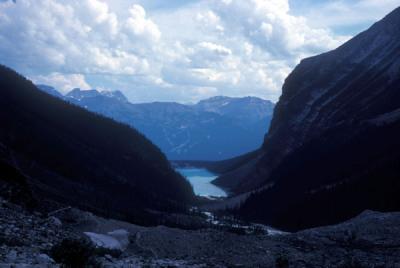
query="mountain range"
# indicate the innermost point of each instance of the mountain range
(213, 129)
(333, 147)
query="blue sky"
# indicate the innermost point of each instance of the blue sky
(176, 50)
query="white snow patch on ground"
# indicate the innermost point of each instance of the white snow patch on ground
(117, 239)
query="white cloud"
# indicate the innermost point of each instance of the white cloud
(215, 49)
(259, 45)
(138, 25)
(209, 20)
(269, 25)
(62, 82)
(97, 14)
(79, 37)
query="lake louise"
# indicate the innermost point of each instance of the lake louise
(201, 179)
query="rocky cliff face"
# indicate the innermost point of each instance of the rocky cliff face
(344, 87)
(332, 149)
(356, 82)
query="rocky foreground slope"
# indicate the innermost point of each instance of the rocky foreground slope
(32, 239)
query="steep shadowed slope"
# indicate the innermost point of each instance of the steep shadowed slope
(76, 157)
(333, 147)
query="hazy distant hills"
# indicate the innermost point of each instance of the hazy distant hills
(333, 149)
(61, 152)
(213, 129)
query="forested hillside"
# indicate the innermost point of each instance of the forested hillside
(79, 158)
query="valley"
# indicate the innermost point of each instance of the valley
(90, 178)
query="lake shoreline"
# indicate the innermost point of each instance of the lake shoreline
(201, 181)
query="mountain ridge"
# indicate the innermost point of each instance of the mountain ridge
(207, 130)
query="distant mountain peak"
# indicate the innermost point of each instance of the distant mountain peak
(80, 94)
(217, 99)
(251, 108)
(115, 94)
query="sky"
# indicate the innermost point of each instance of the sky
(175, 50)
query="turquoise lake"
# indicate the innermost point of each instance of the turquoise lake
(200, 179)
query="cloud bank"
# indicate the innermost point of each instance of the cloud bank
(182, 53)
